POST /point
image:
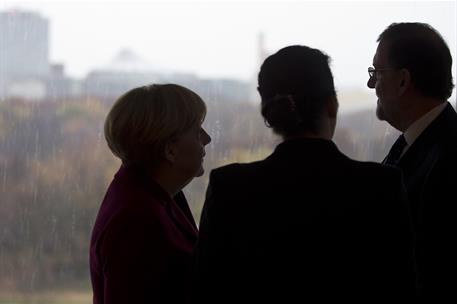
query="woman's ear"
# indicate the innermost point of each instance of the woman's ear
(170, 151)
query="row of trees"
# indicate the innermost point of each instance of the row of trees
(55, 167)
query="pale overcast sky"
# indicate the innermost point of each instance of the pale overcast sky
(219, 38)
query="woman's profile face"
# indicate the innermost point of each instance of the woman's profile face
(190, 151)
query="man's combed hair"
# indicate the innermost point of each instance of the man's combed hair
(421, 50)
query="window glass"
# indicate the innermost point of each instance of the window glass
(63, 63)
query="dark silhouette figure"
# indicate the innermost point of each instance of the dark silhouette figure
(307, 222)
(413, 79)
(144, 234)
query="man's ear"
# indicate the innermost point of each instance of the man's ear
(404, 81)
(332, 107)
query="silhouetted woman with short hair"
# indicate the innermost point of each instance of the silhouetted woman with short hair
(144, 234)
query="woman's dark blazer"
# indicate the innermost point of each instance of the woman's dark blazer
(305, 223)
(141, 243)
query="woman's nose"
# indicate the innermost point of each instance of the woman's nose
(206, 139)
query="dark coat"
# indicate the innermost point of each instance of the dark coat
(306, 223)
(430, 172)
(141, 243)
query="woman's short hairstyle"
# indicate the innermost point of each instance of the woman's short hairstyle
(295, 84)
(144, 119)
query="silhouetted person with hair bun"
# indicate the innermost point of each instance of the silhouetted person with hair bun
(307, 222)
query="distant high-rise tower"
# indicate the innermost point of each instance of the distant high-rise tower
(24, 46)
(262, 53)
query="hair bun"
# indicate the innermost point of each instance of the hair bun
(280, 113)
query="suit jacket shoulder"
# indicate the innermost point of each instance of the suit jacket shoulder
(299, 173)
(305, 221)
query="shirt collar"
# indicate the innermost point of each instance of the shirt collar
(417, 127)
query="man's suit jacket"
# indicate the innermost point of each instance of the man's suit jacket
(430, 172)
(305, 223)
(142, 241)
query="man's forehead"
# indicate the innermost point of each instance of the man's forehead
(380, 57)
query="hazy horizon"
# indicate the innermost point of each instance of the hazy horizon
(220, 39)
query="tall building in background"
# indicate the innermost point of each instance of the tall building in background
(24, 50)
(262, 52)
(24, 46)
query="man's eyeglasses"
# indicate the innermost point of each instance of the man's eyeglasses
(372, 71)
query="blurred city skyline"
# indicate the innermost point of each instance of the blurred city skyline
(221, 39)
(206, 44)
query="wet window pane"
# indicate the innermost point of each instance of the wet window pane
(62, 65)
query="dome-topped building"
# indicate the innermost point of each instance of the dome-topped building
(128, 61)
(125, 71)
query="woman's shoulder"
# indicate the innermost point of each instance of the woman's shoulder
(370, 168)
(371, 177)
(126, 204)
(134, 213)
(237, 170)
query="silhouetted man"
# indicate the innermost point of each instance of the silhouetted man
(413, 80)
